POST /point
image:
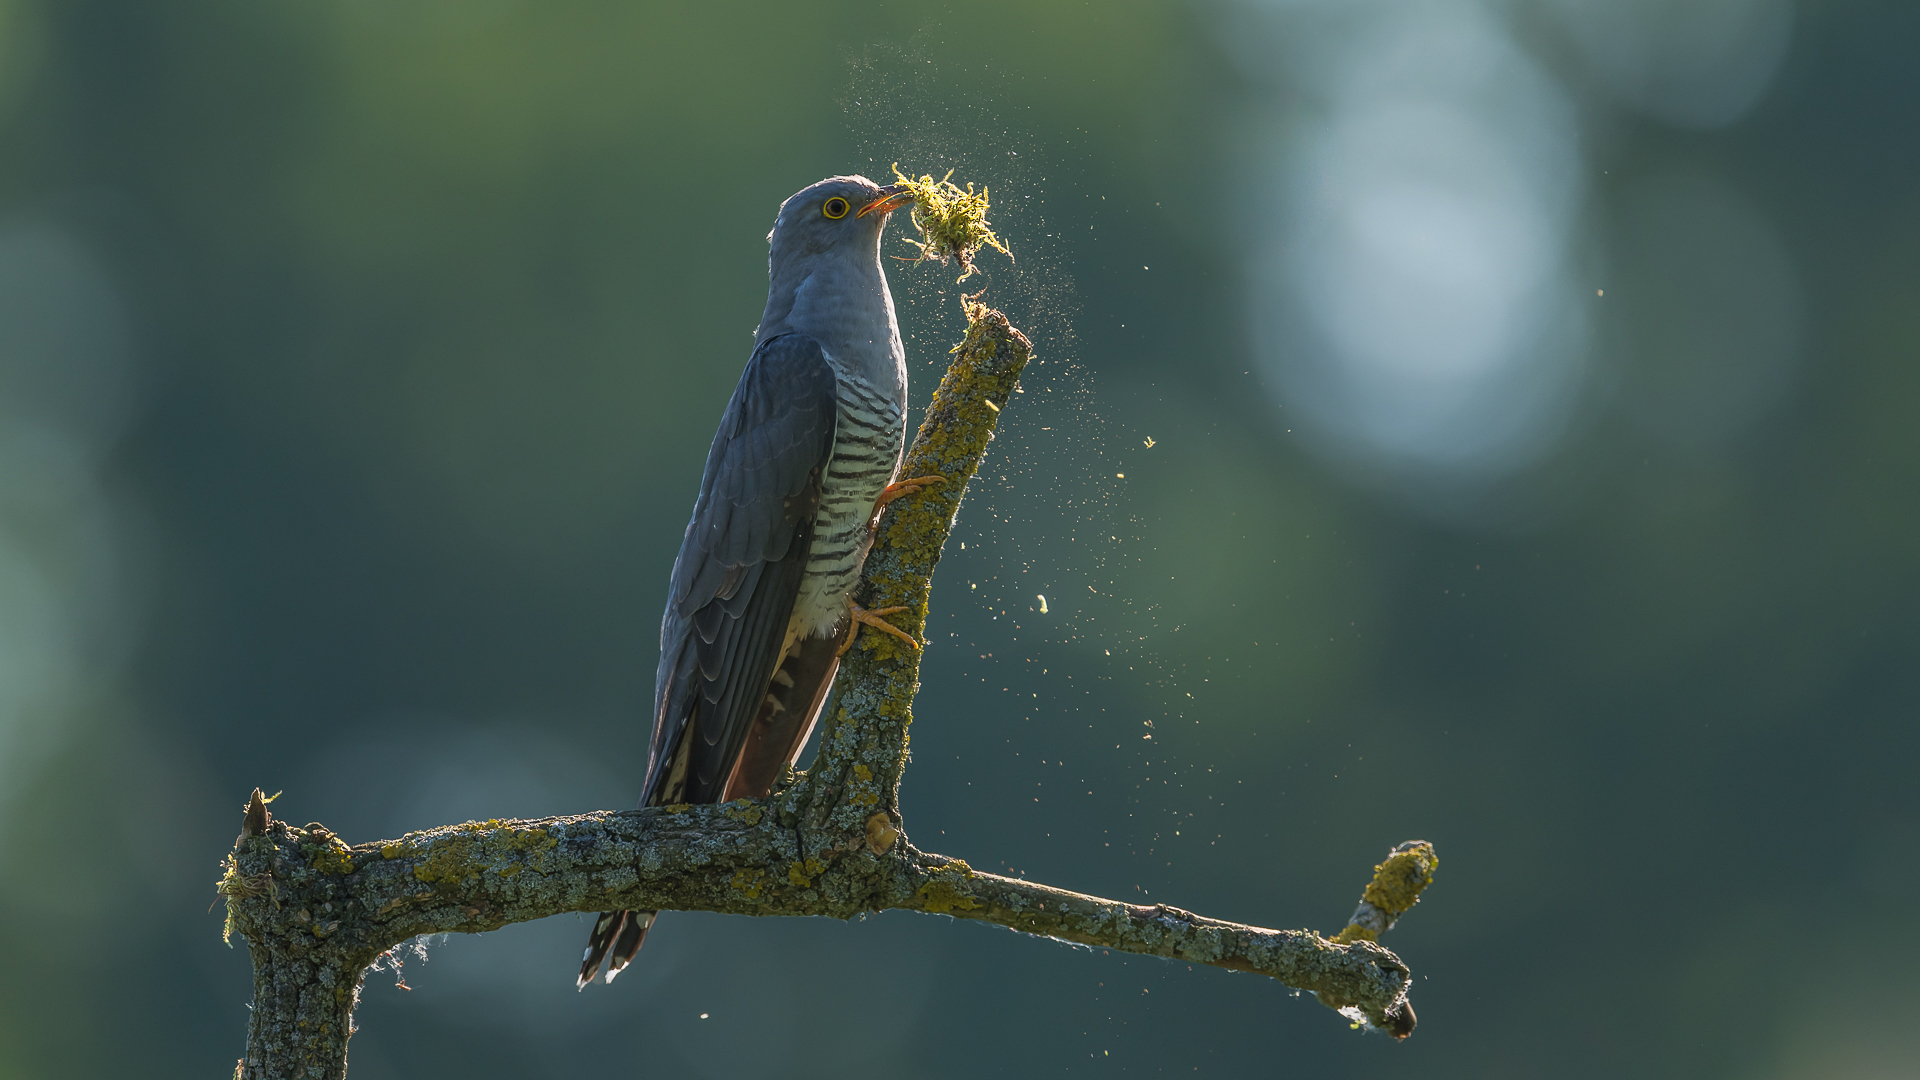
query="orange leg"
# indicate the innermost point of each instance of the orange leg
(894, 491)
(874, 619)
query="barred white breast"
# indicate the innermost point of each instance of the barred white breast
(869, 438)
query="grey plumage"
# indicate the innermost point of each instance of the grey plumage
(811, 437)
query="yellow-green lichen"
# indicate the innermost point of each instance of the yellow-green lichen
(951, 448)
(742, 810)
(866, 795)
(952, 221)
(1395, 888)
(748, 882)
(1397, 883)
(327, 853)
(803, 873)
(456, 854)
(940, 895)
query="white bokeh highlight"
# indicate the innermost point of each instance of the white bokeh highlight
(1423, 255)
(1410, 298)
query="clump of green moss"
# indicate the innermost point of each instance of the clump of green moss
(952, 220)
(233, 886)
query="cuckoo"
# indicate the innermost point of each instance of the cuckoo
(760, 606)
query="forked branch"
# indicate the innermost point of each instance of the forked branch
(316, 912)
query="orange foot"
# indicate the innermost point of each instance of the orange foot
(894, 491)
(872, 618)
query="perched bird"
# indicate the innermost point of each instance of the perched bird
(760, 607)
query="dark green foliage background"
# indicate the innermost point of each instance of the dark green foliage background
(434, 305)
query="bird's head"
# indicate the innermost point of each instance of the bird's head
(839, 216)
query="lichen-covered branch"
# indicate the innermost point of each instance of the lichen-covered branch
(1369, 984)
(316, 912)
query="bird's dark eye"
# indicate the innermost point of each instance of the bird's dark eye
(835, 208)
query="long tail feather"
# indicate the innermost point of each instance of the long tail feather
(605, 931)
(631, 937)
(616, 936)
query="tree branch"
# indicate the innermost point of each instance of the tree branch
(316, 912)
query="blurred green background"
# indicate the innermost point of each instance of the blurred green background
(1533, 470)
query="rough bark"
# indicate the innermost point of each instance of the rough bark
(316, 912)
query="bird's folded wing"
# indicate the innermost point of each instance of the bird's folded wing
(740, 564)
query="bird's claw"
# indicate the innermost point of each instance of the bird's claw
(873, 618)
(911, 486)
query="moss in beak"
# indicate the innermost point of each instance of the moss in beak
(952, 221)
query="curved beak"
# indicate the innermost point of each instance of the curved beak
(892, 197)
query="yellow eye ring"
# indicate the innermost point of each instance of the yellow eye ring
(835, 208)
